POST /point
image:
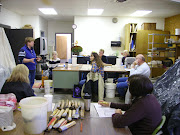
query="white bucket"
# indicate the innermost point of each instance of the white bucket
(34, 113)
(110, 90)
(109, 80)
(48, 86)
(49, 98)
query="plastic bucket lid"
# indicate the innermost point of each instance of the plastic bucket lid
(110, 85)
(33, 102)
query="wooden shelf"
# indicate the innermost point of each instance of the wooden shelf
(130, 36)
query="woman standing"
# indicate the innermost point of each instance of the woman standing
(27, 56)
(18, 83)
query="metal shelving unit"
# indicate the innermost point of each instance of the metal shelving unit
(155, 47)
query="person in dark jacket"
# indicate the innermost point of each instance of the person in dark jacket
(102, 56)
(18, 83)
(144, 114)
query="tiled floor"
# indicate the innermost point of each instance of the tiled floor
(57, 96)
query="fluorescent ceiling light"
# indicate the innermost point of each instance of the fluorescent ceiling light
(176, 0)
(141, 13)
(95, 11)
(48, 11)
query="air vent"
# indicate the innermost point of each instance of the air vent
(119, 0)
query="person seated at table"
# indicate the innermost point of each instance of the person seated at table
(53, 63)
(125, 54)
(144, 114)
(97, 66)
(18, 83)
(102, 56)
(139, 66)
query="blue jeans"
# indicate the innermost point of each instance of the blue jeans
(32, 74)
(122, 84)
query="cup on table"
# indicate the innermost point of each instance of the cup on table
(49, 98)
(66, 65)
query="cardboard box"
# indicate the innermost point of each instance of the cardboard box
(148, 26)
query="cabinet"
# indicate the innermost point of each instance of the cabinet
(160, 50)
(142, 47)
(16, 39)
(148, 26)
(130, 38)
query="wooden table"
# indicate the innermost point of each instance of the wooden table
(92, 125)
(66, 78)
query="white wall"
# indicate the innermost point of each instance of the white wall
(34, 22)
(10, 18)
(94, 33)
(58, 27)
(43, 25)
(17, 21)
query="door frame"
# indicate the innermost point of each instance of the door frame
(71, 41)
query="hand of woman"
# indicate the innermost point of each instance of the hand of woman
(118, 111)
(32, 60)
(104, 103)
(39, 58)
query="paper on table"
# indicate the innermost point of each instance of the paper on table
(127, 69)
(104, 111)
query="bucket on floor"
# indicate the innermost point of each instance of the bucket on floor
(49, 98)
(34, 113)
(110, 90)
(109, 80)
(48, 86)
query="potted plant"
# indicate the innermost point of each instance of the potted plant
(76, 49)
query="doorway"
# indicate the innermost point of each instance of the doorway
(63, 46)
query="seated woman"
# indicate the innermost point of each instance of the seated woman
(144, 114)
(18, 83)
(97, 66)
(53, 63)
(125, 54)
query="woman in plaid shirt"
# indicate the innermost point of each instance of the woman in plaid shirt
(97, 64)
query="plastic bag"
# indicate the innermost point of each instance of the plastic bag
(77, 91)
(8, 100)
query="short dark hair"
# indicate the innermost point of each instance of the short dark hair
(139, 85)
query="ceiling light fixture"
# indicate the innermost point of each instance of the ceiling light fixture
(48, 11)
(95, 11)
(176, 0)
(141, 13)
